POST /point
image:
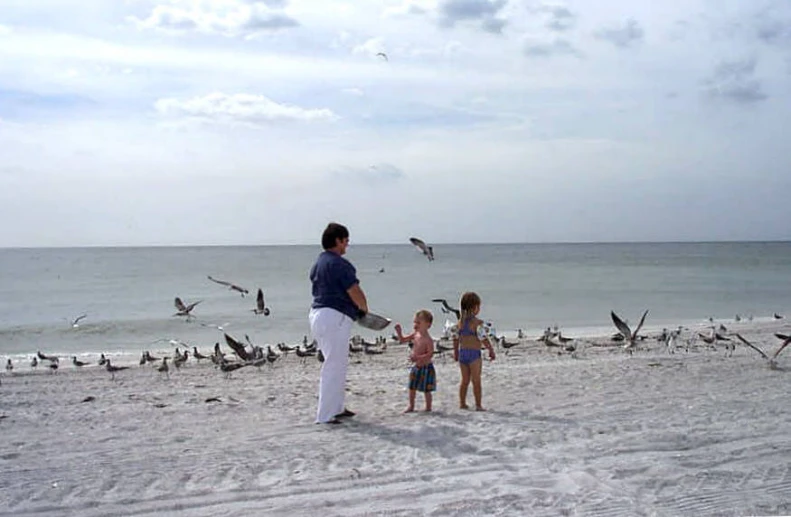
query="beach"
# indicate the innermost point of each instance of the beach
(596, 432)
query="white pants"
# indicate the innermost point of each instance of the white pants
(332, 330)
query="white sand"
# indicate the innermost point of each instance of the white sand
(604, 434)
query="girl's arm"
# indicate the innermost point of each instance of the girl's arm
(488, 347)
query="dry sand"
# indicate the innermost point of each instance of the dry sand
(605, 433)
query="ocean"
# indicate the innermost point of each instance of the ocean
(128, 293)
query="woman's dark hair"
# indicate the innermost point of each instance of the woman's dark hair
(333, 232)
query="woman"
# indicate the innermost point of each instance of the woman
(338, 300)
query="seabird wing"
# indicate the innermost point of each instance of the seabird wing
(383, 55)
(785, 344)
(192, 305)
(447, 306)
(639, 325)
(221, 282)
(179, 304)
(622, 327)
(783, 337)
(237, 347)
(419, 243)
(259, 300)
(78, 318)
(752, 346)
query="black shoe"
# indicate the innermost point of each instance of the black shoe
(333, 421)
(345, 414)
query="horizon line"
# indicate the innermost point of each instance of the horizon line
(400, 243)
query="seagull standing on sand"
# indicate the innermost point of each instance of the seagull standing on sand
(260, 306)
(625, 331)
(112, 369)
(163, 368)
(427, 250)
(77, 363)
(231, 286)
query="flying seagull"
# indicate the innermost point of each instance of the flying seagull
(428, 251)
(383, 55)
(624, 329)
(447, 308)
(184, 310)
(231, 286)
(772, 363)
(260, 307)
(76, 321)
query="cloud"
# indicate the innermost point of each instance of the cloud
(372, 175)
(734, 80)
(623, 36)
(370, 47)
(560, 17)
(353, 91)
(239, 108)
(407, 8)
(555, 47)
(231, 18)
(4, 30)
(273, 3)
(772, 30)
(483, 12)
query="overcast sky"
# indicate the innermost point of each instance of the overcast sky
(176, 122)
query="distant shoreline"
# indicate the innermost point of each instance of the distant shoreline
(407, 244)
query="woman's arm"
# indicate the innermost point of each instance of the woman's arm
(358, 297)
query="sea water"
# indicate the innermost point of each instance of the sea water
(128, 293)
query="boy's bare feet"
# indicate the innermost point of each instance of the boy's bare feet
(427, 410)
(409, 410)
(464, 406)
(479, 408)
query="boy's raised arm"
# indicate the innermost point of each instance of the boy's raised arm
(402, 338)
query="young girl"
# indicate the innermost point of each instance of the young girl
(467, 349)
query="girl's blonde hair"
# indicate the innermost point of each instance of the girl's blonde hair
(468, 303)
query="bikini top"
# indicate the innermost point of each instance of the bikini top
(465, 329)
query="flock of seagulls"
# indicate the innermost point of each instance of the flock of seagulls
(258, 356)
(185, 310)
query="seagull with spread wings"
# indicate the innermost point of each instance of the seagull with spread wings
(625, 331)
(427, 250)
(260, 306)
(184, 310)
(382, 54)
(76, 321)
(231, 286)
(771, 360)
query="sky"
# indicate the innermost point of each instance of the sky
(240, 122)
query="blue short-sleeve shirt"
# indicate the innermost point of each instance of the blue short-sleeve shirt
(332, 276)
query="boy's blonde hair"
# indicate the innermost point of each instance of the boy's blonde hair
(425, 315)
(468, 303)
